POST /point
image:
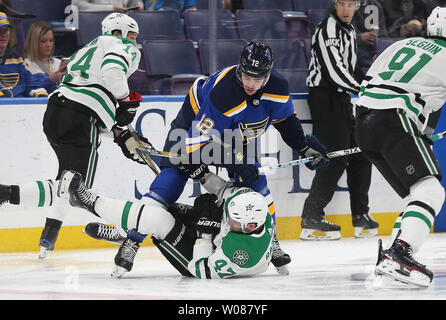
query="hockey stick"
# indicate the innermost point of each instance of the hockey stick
(437, 136)
(298, 162)
(268, 169)
(143, 155)
(333, 154)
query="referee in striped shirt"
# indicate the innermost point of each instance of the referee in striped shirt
(330, 80)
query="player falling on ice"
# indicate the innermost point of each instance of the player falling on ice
(228, 232)
(403, 87)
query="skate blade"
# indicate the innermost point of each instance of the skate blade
(361, 232)
(390, 269)
(317, 235)
(43, 253)
(384, 281)
(118, 272)
(283, 270)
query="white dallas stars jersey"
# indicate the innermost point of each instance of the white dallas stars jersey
(408, 75)
(236, 254)
(83, 81)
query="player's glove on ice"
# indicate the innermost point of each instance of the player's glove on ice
(315, 149)
(207, 214)
(128, 145)
(126, 111)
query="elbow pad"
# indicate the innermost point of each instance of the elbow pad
(115, 81)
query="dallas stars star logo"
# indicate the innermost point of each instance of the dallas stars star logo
(249, 207)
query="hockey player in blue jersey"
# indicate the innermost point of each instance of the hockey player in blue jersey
(229, 110)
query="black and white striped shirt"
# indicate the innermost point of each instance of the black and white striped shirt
(333, 56)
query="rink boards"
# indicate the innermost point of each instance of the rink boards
(26, 156)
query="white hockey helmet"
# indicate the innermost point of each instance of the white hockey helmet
(246, 206)
(436, 23)
(358, 3)
(121, 22)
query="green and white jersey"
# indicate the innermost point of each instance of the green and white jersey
(88, 78)
(236, 254)
(408, 75)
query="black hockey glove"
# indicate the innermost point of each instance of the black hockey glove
(128, 145)
(206, 214)
(427, 139)
(248, 172)
(194, 171)
(126, 111)
(315, 149)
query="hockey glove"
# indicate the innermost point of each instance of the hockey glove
(194, 171)
(247, 172)
(427, 140)
(315, 149)
(5, 93)
(126, 111)
(206, 214)
(128, 145)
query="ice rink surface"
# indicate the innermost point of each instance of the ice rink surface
(328, 270)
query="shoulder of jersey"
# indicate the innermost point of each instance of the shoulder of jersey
(13, 60)
(11, 54)
(227, 95)
(277, 86)
(110, 40)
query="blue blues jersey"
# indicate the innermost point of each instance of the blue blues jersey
(215, 105)
(218, 106)
(15, 78)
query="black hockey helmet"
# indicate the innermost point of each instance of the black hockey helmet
(256, 60)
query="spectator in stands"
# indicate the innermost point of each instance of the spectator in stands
(370, 24)
(13, 41)
(107, 5)
(404, 18)
(180, 5)
(38, 51)
(15, 78)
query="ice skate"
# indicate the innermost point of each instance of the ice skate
(280, 259)
(398, 263)
(8, 194)
(125, 257)
(73, 188)
(5, 194)
(319, 229)
(365, 226)
(48, 237)
(100, 231)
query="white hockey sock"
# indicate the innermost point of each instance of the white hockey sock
(124, 214)
(416, 223)
(427, 197)
(37, 193)
(57, 211)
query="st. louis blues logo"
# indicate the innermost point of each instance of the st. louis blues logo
(252, 130)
